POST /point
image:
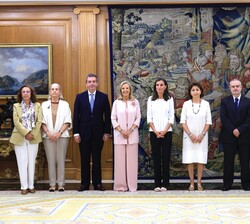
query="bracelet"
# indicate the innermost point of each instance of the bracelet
(190, 134)
(60, 131)
(203, 133)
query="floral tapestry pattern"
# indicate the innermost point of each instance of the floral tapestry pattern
(202, 44)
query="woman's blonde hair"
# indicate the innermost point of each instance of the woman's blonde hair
(60, 88)
(131, 97)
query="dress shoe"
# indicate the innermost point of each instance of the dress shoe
(163, 189)
(246, 188)
(157, 189)
(24, 192)
(191, 187)
(52, 189)
(83, 188)
(61, 189)
(225, 188)
(199, 187)
(99, 187)
(32, 191)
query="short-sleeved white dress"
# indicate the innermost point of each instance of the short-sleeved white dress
(195, 117)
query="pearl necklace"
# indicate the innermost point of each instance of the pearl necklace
(198, 108)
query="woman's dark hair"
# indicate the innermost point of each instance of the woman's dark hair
(195, 84)
(166, 94)
(32, 94)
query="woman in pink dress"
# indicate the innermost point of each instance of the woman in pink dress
(125, 118)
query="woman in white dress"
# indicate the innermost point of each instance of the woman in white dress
(195, 120)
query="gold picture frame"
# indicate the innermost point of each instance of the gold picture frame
(29, 64)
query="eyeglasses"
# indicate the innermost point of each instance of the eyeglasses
(27, 91)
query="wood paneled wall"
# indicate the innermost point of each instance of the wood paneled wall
(79, 38)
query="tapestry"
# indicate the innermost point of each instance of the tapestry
(205, 44)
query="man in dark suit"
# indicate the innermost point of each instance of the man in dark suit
(91, 127)
(235, 134)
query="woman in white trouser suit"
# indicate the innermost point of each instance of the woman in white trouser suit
(26, 136)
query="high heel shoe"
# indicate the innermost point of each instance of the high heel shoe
(191, 187)
(61, 189)
(199, 187)
(52, 189)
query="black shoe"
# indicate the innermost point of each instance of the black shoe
(246, 188)
(225, 188)
(83, 188)
(99, 187)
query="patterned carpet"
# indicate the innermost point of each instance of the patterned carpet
(141, 207)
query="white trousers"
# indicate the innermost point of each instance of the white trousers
(26, 160)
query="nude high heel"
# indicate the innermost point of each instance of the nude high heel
(199, 187)
(191, 187)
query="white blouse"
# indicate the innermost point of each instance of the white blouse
(160, 112)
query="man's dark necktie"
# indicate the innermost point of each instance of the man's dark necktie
(236, 103)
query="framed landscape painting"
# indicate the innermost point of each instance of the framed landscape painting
(25, 64)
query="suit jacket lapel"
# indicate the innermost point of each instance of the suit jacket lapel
(241, 102)
(231, 103)
(96, 99)
(19, 111)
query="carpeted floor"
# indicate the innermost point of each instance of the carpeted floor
(141, 207)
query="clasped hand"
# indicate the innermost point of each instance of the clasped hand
(160, 134)
(29, 136)
(125, 134)
(196, 139)
(54, 137)
(236, 133)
